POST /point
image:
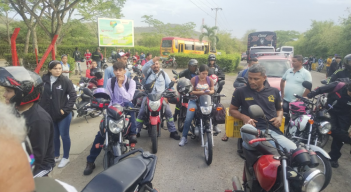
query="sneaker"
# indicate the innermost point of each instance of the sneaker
(132, 139)
(183, 141)
(89, 169)
(216, 129)
(174, 135)
(334, 164)
(138, 135)
(63, 163)
(57, 159)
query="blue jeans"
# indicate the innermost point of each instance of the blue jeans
(61, 128)
(189, 117)
(94, 152)
(98, 64)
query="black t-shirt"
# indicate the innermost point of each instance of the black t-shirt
(268, 99)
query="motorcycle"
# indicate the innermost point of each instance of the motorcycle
(104, 64)
(170, 62)
(83, 106)
(155, 109)
(305, 113)
(267, 169)
(305, 65)
(113, 57)
(217, 81)
(202, 124)
(114, 127)
(131, 172)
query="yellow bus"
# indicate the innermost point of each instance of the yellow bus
(182, 45)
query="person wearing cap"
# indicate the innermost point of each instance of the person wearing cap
(121, 57)
(244, 73)
(97, 56)
(55, 101)
(23, 89)
(334, 66)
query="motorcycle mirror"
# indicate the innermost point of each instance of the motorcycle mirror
(174, 72)
(335, 102)
(256, 112)
(307, 85)
(171, 85)
(241, 80)
(324, 82)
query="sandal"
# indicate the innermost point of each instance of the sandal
(225, 138)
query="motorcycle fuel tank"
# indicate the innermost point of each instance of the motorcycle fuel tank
(266, 169)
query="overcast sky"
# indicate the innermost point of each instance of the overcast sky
(237, 16)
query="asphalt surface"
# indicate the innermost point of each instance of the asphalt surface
(182, 168)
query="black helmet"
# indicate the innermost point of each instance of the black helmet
(184, 86)
(27, 84)
(212, 57)
(347, 62)
(192, 62)
(97, 72)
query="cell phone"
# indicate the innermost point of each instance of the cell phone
(206, 91)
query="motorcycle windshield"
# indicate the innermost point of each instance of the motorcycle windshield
(154, 96)
(101, 93)
(205, 101)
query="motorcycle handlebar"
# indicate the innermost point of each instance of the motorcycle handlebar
(258, 140)
(256, 132)
(131, 109)
(303, 99)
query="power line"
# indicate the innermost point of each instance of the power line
(205, 4)
(202, 9)
(215, 3)
(209, 3)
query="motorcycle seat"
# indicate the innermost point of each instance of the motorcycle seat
(82, 104)
(124, 176)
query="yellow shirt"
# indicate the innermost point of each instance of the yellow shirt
(329, 61)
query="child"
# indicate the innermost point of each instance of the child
(100, 82)
(87, 56)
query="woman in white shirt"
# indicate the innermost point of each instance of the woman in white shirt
(65, 66)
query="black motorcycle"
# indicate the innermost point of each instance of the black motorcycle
(104, 64)
(83, 106)
(114, 127)
(131, 172)
(202, 124)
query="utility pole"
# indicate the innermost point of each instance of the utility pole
(214, 43)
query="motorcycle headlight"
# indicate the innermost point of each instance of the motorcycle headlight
(154, 105)
(81, 85)
(206, 110)
(313, 181)
(324, 127)
(116, 126)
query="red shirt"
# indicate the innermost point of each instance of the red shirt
(87, 56)
(100, 82)
(144, 61)
(137, 56)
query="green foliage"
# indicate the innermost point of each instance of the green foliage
(210, 35)
(229, 61)
(285, 36)
(228, 44)
(150, 39)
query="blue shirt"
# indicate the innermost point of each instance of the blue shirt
(320, 61)
(293, 84)
(108, 73)
(161, 83)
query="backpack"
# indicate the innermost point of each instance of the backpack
(150, 86)
(219, 116)
(244, 73)
(207, 79)
(113, 83)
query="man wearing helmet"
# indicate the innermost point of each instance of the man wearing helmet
(218, 71)
(339, 116)
(189, 73)
(342, 73)
(22, 90)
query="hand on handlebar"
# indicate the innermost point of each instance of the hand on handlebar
(276, 121)
(251, 122)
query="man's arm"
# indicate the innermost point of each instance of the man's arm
(324, 89)
(277, 121)
(234, 106)
(107, 75)
(309, 79)
(282, 87)
(72, 97)
(128, 95)
(167, 80)
(147, 66)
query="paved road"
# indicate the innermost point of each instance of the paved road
(182, 168)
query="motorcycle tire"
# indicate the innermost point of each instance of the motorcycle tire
(208, 149)
(181, 119)
(108, 160)
(327, 169)
(95, 114)
(104, 66)
(154, 139)
(240, 148)
(324, 140)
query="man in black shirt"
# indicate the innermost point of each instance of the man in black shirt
(97, 56)
(268, 98)
(23, 89)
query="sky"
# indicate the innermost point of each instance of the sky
(238, 16)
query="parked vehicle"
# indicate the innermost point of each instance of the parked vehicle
(287, 49)
(268, 170)
(155, 110)
(104, 64)
(262, 41)
(243, 56)
(114, 127)
(131, 172)
(202, 124)
(170, 62)
(83, 107)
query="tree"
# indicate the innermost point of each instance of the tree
(245, 37)
(5, 10)
(211, 36)
(150, 39)
(285, 36)
(92, 10)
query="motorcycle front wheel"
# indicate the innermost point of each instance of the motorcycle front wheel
(325, 167)
(322, 140)
(108, 159)
(95, 114)
(208, 148)
(154, 139)
(181, 119)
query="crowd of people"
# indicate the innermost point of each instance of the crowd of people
(42, 106)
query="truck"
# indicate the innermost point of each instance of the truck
(262, 41)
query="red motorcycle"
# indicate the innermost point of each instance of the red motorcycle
(171, 62)
(156, 111)
(277, 169)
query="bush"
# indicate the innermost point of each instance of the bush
(229, 61)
